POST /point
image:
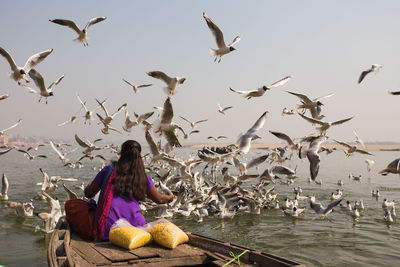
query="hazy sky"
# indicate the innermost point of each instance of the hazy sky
(323, 45)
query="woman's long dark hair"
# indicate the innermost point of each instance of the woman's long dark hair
(130, 180)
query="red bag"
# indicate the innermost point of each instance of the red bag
(80, 216)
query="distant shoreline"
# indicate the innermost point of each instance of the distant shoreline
(368, 147)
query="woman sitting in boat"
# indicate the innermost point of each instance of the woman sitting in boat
(122, 185)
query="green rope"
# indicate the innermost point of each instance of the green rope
(234, 258)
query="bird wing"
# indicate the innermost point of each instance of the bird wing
(80, 101)
(282, 170)
(128, 82)
(280, 82)
(9, 58)
(56, 150)
(81, 142)
(153, 147)
(68, 23)
(71, 195)
(101, 104)
(38, 80)
(94, 21)
(4, 185)
(283, 137)
(168, 112)
(394, 92)
(144, 117)
(200, 121)
(259, 123)
(56, 82)
(332, 205)
(226, 108)
(240, 92)
(363, 74)
(363, 152)
(257, 161)
(36, 59)
(341, 121)
(322, 97)
(342, 143)
(301, 96)
(218, 35)
(236, 40)
(185, 119)
(171, 138)
(119, 110)
(311, 119)
(145, 85)
(12, 126)
(160, 75)
(314, 160)
(358, 139)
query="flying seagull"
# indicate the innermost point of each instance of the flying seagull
(392, 167)
(219, 38)
(245, 140)
(374, 68)
(171, 82)
(349, 149)
(39, 82)
(260, 91)
(313, 105)
(222, 110)
(324, 126)
(136, 87)
(82, 38)
(312, 155)
(193, 124)
(11, 127)
(88, 113)
(19, 73)
(321, 210)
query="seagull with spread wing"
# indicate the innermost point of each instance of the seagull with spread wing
(260, 91)
(313, 105)
(108, 118)
(88, 113)
(139, 119)
(223, 49)
(349, 149)
(167, 127)
(39, 82)
(169, 81)
(19, 73)
(374, 68)
(11, 127)
(321, 210)
(245, 139)
(324, 126)
(82, 34)
(193, 124)
(312, 154)
(286, 138)
(136, 87)
(222, 110)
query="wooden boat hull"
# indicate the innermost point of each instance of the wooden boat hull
(67, 249)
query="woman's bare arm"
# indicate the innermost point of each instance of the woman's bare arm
(159, 198)
(91, 189)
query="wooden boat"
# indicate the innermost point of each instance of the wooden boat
(66, 248)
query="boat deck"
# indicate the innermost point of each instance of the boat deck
(68, 249)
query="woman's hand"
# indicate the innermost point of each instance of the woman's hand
(169, 197)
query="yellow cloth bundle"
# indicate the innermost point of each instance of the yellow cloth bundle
(168, 234)
(129, 237)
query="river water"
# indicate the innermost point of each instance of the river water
(342, 241)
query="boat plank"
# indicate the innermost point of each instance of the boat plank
(149, 251)
(166, 262)
(86, 251)
(79, 261)
(113, 252)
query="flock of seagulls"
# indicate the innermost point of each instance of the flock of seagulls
(203, 183)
